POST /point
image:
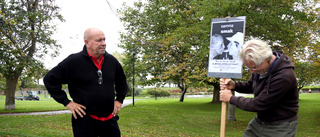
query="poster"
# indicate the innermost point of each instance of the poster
(226, 39)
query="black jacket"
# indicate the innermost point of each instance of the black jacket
(80, 73)
(276, 96)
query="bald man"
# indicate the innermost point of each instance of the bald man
(96, 84)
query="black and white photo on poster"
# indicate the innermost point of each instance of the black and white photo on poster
(227, 38)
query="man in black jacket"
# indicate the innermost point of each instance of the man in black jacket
(274, 85)
(92, 76)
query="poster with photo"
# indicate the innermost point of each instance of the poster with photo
(226, 39)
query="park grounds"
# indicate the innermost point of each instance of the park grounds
(149, 116)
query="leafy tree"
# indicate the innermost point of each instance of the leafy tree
(2, 82)
(118, 55)
(306, 73)
(28, 82)
(26, 28)
(164, 60)
(289, 25)
(314, 62)
(173, 37)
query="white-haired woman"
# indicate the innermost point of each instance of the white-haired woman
(274, 85)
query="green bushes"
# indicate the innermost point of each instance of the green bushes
(306, 88)
(210, 90)
(158, 92)
(174, 91)
(137, 91)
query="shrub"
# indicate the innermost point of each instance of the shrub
(174, 91)
(137, 91)
(210, 90)
(311, 88)
(159, 93)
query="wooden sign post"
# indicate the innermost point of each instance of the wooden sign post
(223, 119)
(226, 39)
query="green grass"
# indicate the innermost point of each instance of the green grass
(168, 117)
(35, 126)
(195, 117)
(2, 97)
(45, 104)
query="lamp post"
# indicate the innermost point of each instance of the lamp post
(133, 56)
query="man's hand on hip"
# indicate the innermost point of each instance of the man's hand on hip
(116, 109)
(76, 108)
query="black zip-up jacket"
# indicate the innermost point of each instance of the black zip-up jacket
(80, 73)
(276, 96)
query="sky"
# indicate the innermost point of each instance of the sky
(80, 15)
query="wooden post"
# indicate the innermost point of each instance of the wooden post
(223, 119)
(216, 65)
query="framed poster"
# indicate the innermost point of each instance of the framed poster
(226, 39)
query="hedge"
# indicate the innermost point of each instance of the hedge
(159, 93)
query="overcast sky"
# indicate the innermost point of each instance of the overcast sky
(82, 14)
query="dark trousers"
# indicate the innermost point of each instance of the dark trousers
(256, 128)
(89, 127)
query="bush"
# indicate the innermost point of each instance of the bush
(210, 90)
(159, 93)
(137, 91)
(310, 87)
(174, 91)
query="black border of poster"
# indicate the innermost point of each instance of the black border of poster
(226, 27)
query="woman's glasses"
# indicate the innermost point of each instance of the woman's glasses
(254, 69)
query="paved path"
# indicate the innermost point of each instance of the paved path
(126, 102)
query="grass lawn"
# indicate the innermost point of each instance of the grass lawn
(45, 104)
(195, 117)
(168, 117)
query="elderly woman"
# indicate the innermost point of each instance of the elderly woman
(274, 85)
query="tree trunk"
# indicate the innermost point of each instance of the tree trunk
(11, 84)
(46, 94)
(183, 88)
(299, 88)
(182, 94)
(231, 111)
(215, 98)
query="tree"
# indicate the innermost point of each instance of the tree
(283, 24)
(313, 60)
(306, 73)
(118, 55)
(25, 32)
(173, 37)
(164, 60)
(231, 111)
(2, 83)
